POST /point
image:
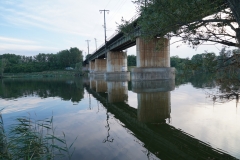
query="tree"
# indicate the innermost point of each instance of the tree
(209, 62)
(88, 56)
(3, 63)
(235, 7)
(229, 62)
(69, 57)
(131, 60)
(78, 67)
(195, 21)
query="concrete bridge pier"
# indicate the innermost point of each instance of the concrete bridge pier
(91, 68)
(154, 100)
(117, 91)
(100, 67)
(153, 60)
(117, 66)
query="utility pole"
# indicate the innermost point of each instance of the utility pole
(96, 43)
(82, 54)
(105, 27)
(88, 45)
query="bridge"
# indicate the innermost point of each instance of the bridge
(153, 57)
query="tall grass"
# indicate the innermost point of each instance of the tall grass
(31, 139)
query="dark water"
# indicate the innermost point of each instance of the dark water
(131, 120)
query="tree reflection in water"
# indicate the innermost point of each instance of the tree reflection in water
(67, 89)
(224, 87)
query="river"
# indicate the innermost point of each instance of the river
(178, 119)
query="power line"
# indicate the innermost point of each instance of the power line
(121, 4)
(107, 4)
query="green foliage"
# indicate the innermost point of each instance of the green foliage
(42, 61)
(88, 56)
(131, 60)
(209, 62)
(78, 67)
(195, 21)
(205, 62)
(3, 63)
(227, 62)
(179, 63)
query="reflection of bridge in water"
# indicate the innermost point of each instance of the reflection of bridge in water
(148, 121)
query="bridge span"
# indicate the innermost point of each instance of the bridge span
(153, 57)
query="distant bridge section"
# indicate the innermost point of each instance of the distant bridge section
(117, 42)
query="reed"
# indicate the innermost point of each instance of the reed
(31, 139)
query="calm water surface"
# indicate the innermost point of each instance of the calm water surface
(130, 120)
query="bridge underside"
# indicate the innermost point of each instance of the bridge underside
(118, 43)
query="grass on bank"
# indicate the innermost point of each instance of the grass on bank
(45, 74)
(130, 68)
(59, 73)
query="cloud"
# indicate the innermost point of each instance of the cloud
(22, 104)
(62, 21)
(15, 40)
(74, 17)
(22, 46)
(26, 49)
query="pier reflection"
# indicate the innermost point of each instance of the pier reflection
(93, 84)
(117, 91)
(154, 100)
(147, 122)
(101, 86)
(98, 84)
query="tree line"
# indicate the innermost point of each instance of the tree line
(208, 62)
(11, 63)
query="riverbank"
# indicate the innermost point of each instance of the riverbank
(60, 73)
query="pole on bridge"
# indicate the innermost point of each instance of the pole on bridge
(88, 45)
(105, 27)
(96, 43)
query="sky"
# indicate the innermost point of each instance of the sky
(29, 27)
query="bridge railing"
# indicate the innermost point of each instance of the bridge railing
(116, 32)
(131, 20)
